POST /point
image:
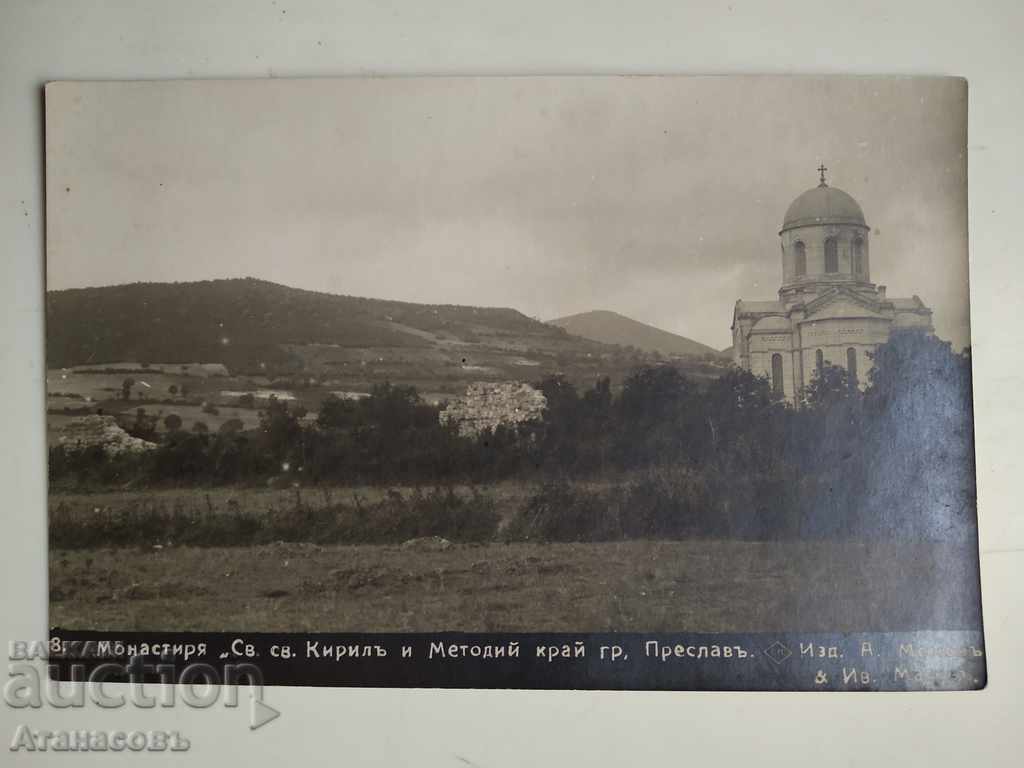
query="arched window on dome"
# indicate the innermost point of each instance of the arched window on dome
(800, 258)
(831, 255)
(858, 256)
(777, 383)
(851, 366)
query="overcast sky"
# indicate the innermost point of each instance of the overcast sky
(656, 197)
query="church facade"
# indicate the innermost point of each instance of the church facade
(828, 310)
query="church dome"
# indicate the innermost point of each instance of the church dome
(823, 205)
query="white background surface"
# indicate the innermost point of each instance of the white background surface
(43, 40)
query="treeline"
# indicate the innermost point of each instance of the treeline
(729, 458)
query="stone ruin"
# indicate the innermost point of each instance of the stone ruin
(487, 405)
(87, 431)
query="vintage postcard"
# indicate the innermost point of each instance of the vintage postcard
(525, 382)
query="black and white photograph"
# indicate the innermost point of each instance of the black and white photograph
(670, 369)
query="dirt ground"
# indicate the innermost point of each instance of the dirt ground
(694, 586)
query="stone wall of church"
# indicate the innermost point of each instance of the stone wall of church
(772, 336)
(837, 335)
(913, 320)
(798, 350)
(765, 345)
(837, 355)
(761, 365)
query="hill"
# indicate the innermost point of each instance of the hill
(264, 330)
(242, 322)
(612, 328)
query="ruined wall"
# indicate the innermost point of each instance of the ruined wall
(486, 405)
(88, 431)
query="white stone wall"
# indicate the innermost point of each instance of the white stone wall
(488, 405)
(99, 430)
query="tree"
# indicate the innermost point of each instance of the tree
(200, 428)
(651, 393)
(919, 408)
(658, 418)
(280, 429)
(830, 384)
(231, 427)
(919, 371)
(144, 425)
(561, 422)
(126, 388)
(173, 389)
(595, 421)
(393, 409)
(173, 422)
(742, 392)
(740, 404)
(336, 413)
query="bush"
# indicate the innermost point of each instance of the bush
(663, 504)
(668, 504)
(560, 511)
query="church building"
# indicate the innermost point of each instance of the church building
(828, 310)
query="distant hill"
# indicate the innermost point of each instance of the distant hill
(613, 328)
(266, 332)
(243, 322)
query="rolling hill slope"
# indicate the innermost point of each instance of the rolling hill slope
(299, 339)
(243, 322)
(259, 328)
(612, 328)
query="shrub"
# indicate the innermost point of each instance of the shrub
(665, 504)
(560, 511)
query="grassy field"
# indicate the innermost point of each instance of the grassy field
(697, 586)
